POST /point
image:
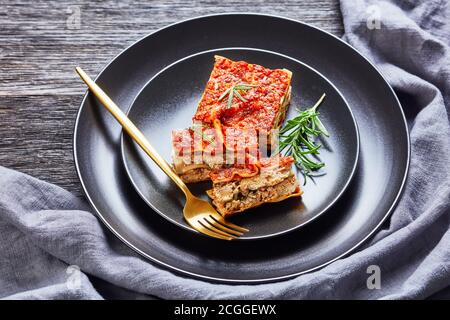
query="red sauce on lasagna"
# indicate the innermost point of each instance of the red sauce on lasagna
(262, 102)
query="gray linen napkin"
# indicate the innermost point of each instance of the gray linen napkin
(50, 241)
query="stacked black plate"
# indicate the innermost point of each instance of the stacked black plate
(159, 80)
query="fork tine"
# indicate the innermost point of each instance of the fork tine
(207, 224)
(200, 228)
(212, 224)
(220, 226)
(220, 219)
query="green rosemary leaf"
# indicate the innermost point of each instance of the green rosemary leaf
(244, 86)
(239, 96)
(230, 99)
(225, 93)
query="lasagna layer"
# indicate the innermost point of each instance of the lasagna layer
(195, 175)
(195, 152)
(274, 182)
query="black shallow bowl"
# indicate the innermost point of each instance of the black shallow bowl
(370, 197)
(169, 101)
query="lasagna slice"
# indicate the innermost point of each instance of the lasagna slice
(241, 104)
(244, 95)
(237, 189)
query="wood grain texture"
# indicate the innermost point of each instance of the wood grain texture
(42, 41)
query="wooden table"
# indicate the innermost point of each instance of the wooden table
(42, 41)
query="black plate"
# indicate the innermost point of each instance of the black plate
(169, 101)
(371, 196)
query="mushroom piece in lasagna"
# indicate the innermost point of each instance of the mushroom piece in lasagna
(236, 189)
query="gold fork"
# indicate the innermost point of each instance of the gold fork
(198, 213)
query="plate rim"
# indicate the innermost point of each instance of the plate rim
(244, 281)
(271, 235)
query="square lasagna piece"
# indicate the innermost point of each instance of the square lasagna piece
(260, 104)
(238, 189)
(241, 104)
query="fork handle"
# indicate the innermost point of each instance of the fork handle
(132, 130)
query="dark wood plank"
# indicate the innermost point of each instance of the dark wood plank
(41, 42)
(36, 137)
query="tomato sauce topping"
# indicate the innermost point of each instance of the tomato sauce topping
(262, 101)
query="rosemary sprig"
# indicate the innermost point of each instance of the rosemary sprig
(234, 91)
(299, 139)
(198, 128)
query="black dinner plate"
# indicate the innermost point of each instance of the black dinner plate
(371, 196)
(169, 101)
